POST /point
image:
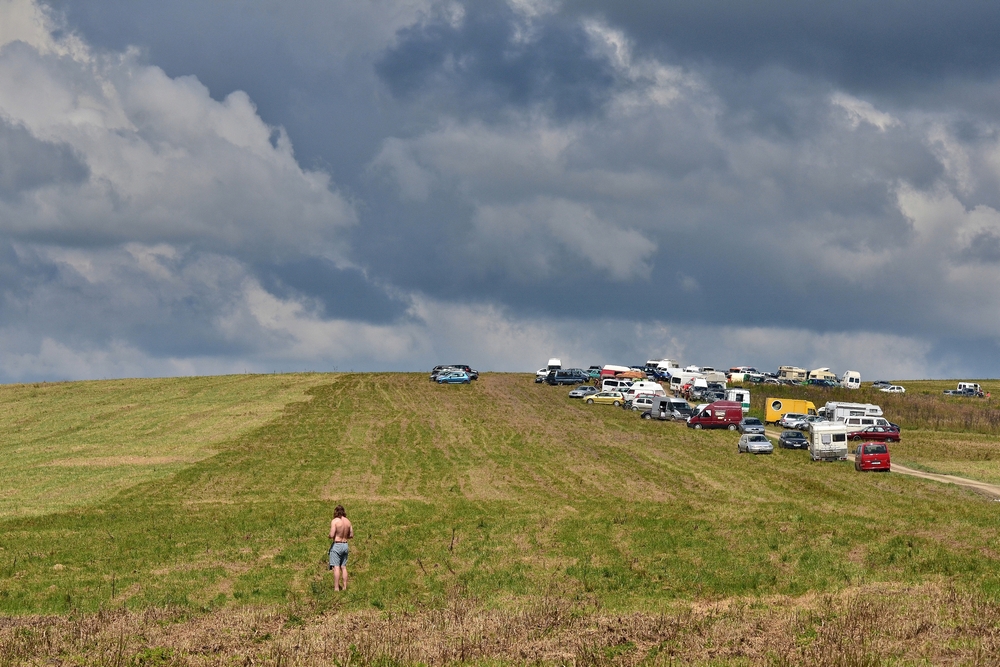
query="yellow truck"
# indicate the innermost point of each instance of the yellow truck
(778, 407)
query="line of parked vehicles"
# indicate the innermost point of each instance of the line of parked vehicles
(662, 390)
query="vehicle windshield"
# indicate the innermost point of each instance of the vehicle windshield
(875, 449)
(752, 421)
(757, 438)
(792, 434)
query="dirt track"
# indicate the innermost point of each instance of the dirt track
(982, 487)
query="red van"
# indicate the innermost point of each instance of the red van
(872, 456)
(720, 414)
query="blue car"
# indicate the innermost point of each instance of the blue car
(454, 377)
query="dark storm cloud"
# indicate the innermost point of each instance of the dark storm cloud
(535, 174)
(869, 45)
(345, 293)
(487, 60)
(27, 163)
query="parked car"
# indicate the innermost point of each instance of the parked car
(877, 384)
(755, 443)
(793, 440)
(606, 397)
(793, 420)
(751, 425)
(893, 389)
(967, 393)
(872, 456)
(876, 434)
(568, 376)
(812, 419)
(582, 391)
(541, 374)
(453, 377)
(640, 403)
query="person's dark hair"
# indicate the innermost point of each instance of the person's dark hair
(338, 512)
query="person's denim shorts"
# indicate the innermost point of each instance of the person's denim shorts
(338, 554)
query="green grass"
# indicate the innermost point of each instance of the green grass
(501, 490)
(70, 444)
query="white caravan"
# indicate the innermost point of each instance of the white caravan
(851, 380)
(828, 441)
(741, 396)
(791, 373)
(644, 387)
(839, 411)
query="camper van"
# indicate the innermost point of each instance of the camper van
(974, 386)
(720, 414)
(838, 410)
(851, 380)
(822, 374)
(828, 441)
(554, 364)
(777, 407)
(741, 396)
(791, 373)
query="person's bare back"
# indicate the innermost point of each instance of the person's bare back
(341, 529)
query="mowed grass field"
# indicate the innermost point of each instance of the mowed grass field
(501, 517)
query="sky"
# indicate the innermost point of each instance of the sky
(228, 187)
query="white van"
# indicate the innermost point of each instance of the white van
(858, 423)
(962, 386)
(667, 365)
(851, 380)
(741, 396)
(828, 441)
(616, 385)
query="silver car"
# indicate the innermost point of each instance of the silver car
(751, 425)
(583, 390)
(755, 443)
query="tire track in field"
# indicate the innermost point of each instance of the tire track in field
(982, 487)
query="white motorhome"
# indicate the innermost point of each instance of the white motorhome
(668, 365)
(962, 386)
(838, 410)
(741, 396)
(644, 387)
(827, 441)
(554, 364)
(791, 373)
(851, 380)
(822, 374)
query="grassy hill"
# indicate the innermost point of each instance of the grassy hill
(499, 500)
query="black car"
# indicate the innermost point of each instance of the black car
(792, 440)
(569, 376)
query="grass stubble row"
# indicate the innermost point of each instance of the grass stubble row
(498, 522)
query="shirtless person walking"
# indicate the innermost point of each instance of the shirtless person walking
(341, 530)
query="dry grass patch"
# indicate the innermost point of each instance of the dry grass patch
(873, 625)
